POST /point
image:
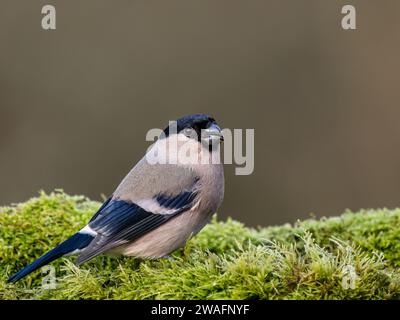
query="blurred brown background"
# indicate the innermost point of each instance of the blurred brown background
(75, 103)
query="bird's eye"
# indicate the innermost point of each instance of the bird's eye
(188, 132)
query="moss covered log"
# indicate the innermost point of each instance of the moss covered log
(353, 256)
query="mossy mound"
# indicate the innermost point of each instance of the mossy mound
(354, 256)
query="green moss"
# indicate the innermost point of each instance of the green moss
(354, 256)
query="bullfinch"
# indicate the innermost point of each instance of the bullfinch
(167, 197)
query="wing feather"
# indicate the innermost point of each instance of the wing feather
(119, 221)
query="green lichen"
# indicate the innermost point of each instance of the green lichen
(354, 256)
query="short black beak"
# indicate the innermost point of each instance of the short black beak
(214, 132)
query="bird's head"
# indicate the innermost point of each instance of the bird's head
(200, 127)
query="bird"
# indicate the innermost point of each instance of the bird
(158, 205)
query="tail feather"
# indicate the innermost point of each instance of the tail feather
(76, 242)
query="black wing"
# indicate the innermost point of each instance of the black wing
(118, 222)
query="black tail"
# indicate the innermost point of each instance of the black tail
(76, 242)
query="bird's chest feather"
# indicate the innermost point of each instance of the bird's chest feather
(174, 234)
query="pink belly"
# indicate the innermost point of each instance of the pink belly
(166, 238)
